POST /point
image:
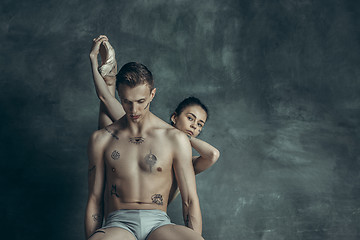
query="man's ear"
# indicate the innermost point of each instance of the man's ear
(152, 94)
(173, 118)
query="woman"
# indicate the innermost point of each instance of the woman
(189, 117)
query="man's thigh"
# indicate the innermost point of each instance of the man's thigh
(113, 233)
(174, 232)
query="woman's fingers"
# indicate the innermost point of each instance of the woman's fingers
(100, 38)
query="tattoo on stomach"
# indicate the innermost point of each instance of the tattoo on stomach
(157, 199)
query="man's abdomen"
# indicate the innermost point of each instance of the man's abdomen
(141, 191)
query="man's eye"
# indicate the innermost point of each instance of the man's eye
(141, 101)
(200, 125)
(190, 118)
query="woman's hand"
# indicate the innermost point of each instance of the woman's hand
(96, 46)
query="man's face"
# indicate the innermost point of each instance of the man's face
(136, 100)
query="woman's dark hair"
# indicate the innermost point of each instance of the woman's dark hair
(190, 101)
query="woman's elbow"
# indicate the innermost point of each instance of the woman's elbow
(215, 154)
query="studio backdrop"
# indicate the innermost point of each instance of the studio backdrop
(281, 80)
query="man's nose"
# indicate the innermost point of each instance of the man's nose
(193, 125)
(132, 108)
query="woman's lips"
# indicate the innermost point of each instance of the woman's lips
(189, 132)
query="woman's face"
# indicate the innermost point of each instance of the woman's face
(191, 120)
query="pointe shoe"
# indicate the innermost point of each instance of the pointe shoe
(108, 66)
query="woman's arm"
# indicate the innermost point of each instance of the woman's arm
(208, 155)
(105, 87)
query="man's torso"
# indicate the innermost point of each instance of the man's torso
(138, 169)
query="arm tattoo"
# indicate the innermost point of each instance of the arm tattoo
(113, 191)
(112, 134)
(151, 160)
(157, 199)
(97, 217)
(92, 169)
(136, 140)
(115, 155)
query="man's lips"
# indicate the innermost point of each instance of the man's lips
(134, 116)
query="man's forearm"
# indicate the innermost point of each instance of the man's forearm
(93, 219)
(192, 215)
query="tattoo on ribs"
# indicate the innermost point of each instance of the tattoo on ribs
(157, 199)
(136, 140)
(96, 217)
(151, 160)
(112, 134)
(115, 155)
(113, 191)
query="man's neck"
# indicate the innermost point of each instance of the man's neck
(138, 128)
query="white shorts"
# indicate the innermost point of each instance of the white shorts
(139, 222)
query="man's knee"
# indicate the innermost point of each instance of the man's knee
(97, 235)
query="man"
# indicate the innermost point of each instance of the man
(132, 164)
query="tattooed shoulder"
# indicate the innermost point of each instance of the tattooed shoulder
(111, 133)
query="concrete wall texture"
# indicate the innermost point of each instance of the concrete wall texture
(281, 79)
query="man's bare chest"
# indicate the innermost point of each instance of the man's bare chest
(129, 156)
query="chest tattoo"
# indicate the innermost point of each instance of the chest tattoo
(150, 159)
(136, 140)
(115, 155)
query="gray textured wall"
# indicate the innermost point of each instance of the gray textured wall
(281, 79)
